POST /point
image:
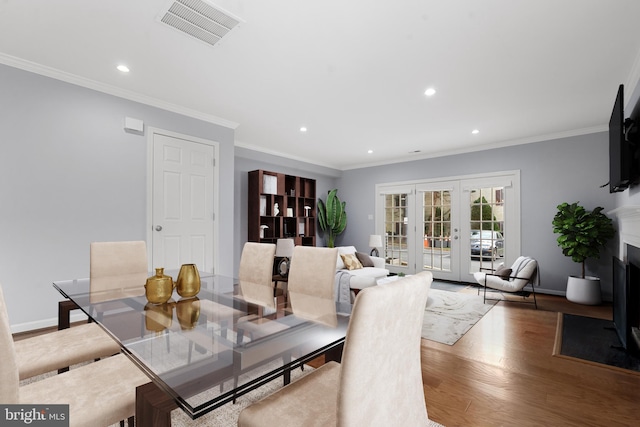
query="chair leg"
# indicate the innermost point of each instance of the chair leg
(533, 289)
(484, 296)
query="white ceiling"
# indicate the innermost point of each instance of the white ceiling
(353, 72)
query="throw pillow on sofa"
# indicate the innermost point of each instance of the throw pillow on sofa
(364, 259)
(351, 261)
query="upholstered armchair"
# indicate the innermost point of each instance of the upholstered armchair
(378, 383)
(512, 280)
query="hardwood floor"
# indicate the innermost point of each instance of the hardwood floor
(502, 373)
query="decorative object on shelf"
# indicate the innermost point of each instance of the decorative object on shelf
(306, 210)
(188, 282)
(582, 235)
(263, 206)
(158, 317)
(262, 228)
(290, 212)
(375, 242)
(332, 217)
(301, 229)
(269, 184)
(276, 209)
(188, 312)
(293, 192)
(284, 249)
(159, 287)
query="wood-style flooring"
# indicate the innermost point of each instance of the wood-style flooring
(503, 373)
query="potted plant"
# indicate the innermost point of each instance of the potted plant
(582, 234)
(332, 217)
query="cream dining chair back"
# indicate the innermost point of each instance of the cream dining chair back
(98, 394)
(256, 273)
(311, 284)
(118, 265)
(378, 383)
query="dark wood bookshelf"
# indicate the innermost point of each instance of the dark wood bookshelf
(291, 194)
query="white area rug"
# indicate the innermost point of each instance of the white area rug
(449, 315)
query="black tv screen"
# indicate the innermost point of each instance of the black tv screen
(620, 154)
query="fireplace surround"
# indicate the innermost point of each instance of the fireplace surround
(626, 278)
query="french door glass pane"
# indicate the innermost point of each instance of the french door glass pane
(487, 227)
(436, 224)
(395, 225)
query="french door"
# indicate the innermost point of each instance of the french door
(451, 227)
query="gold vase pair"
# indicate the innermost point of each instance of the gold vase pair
(159, 287)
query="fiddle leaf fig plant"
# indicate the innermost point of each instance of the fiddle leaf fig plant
(582, 233)
(332, 216)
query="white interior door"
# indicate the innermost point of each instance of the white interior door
(182, 218)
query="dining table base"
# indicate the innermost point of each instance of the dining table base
(154, 405)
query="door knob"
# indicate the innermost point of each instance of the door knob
(158, 228)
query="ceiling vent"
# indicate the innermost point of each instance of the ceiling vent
(199, 19)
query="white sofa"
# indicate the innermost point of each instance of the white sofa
(361, 277)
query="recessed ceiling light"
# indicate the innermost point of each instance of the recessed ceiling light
(123, 68)
(303, 129)
(430, 91)
(370, 151)
(475, 131)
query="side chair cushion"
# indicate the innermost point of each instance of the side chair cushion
(99, 394)
(310, 401)
(59, 349)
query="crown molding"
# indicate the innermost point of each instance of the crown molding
(111, 90)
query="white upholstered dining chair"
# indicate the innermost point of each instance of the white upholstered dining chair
(378, 383)
(312, 283)
(256, 274)
(117, 265)
(98, 394)
(87, 341)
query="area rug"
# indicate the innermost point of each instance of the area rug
(592, 340)
(449, 315)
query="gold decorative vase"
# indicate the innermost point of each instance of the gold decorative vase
(188, 282)
(159, 288)
(158, 317)
(188, 311)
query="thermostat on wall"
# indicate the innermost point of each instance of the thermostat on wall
(134, 125)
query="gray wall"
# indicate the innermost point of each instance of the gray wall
(248, 160)
(71, 175)
(551, 172)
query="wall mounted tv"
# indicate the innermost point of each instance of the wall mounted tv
(623, 162)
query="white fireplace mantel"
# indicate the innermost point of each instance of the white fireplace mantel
(628, 219)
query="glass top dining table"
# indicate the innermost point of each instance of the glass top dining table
(207, 350)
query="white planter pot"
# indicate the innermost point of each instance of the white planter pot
(584, 291)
